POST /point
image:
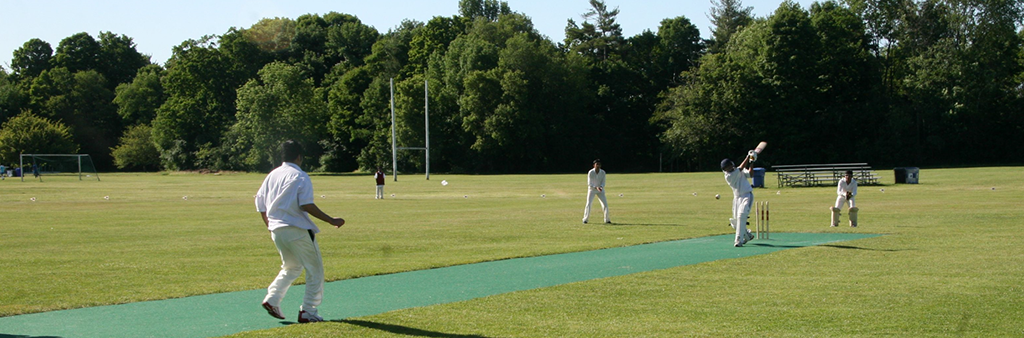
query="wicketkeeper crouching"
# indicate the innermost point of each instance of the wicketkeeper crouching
(847, 191)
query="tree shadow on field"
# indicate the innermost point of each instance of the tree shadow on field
(849, 247)
(403, 330)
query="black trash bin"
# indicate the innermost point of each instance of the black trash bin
(913, 174)
(907, 175)
(901, 175)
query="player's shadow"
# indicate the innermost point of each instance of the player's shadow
(777, 246)
(404, 330)
(850, 247)
(24, 336)
(643, 224)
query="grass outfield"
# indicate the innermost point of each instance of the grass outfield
(948, 265)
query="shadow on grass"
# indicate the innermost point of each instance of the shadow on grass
(643, 224)
(404, 330)
(24, 336)
(849, 247)
(777, 246)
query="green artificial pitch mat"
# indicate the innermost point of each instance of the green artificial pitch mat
(233, 312)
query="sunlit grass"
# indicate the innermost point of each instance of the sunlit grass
(948, 264)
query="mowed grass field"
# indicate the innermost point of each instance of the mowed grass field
(949, 263)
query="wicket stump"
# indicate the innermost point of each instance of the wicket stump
(762, 220)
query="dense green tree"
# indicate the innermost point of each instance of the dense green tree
(701, 117)
(728, 17)
(200, 105)
(136, 150)
(82, 101)
(435, 37)
(31, 134)
(390, 54)
(279, 105)
(679, 48)
(488, 10)
(625, 87)
(78, 52)
(11, 98)
(376, 116)
(31, 59)
(272, 35)
(118, 60)
(321, 44)
(961, 88)
(849, 83)
(138, 101)
(599, 36)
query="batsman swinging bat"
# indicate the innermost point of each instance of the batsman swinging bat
(760, 147)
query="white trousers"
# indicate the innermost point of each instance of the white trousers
(740, 212)
(842, 200)
(590, 200)
(380, 192)
(298, 252)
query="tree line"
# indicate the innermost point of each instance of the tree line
(889, 82)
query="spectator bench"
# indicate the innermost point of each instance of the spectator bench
(816, 175)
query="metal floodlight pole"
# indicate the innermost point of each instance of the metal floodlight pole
(426, 121)
(394, 150)
(79, 167)
(21, 164)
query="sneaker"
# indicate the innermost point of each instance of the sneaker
(749, 236)
(584, 222)
(273, 310)
(835, 225)
(738, 244)
(306, 317)
(610, 222)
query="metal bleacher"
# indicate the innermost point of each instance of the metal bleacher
(816, 175)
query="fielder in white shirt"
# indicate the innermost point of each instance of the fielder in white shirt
(847, 191)
(742, 197)
(595, 186)
(285, 201)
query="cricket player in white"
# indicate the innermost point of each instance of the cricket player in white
(742, 197)
(285, 201)
(847, 191)
(595, 186)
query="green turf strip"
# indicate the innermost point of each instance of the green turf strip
(228, 313)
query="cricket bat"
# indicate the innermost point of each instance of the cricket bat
(752, 155)
(760, 147)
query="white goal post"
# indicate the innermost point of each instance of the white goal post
(426, 124)
(57, 164)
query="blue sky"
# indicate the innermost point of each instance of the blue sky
(156, 27)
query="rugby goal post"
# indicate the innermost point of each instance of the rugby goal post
(426, 123)
(57, 164)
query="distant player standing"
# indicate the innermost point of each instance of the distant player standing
(595, 186)
(285, 201)
(742, 197)
(847, 190)
(379, 176)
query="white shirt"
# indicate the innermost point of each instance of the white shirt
(284, 190)
(595, 179)
(844, 187)
(737, 180)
